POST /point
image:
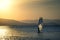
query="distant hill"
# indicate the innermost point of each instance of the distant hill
(52, 22)
(13, 22)
(10, 22)
(28, 22)
(45, 21)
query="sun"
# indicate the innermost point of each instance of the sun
(4, 4)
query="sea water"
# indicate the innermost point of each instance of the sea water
(29, 33)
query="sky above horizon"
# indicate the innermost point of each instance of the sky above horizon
(29, 9)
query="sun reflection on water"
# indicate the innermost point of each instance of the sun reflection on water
(3, 30)
(8, 31)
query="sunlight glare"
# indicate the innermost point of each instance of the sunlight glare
(4, 4)
(2, 32)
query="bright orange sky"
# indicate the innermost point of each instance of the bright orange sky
(28, 9)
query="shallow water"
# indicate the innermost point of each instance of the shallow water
(29, 33)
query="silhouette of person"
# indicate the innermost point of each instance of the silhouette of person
(40, 24)
(40, 21)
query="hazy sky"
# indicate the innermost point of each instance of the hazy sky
(29, 9)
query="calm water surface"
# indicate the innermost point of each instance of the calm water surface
(48, 33)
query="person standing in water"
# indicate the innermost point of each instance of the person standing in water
(40, 22)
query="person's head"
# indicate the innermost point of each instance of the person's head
(41, 18)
